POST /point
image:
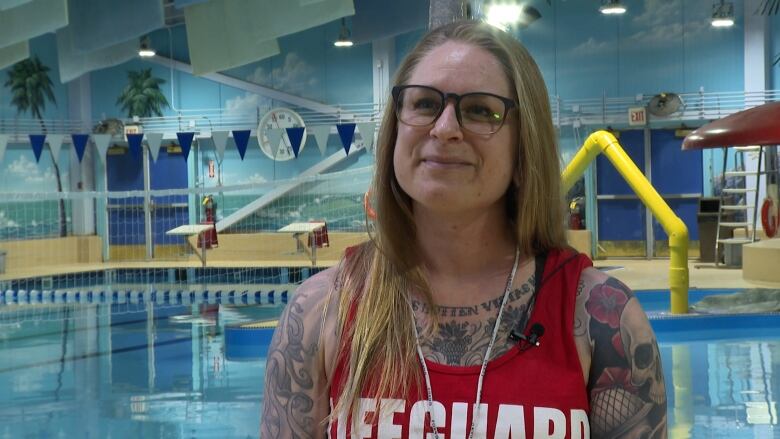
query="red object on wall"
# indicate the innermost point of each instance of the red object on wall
(319, 237)
(770, 217)
(575, 222)
(209, 236)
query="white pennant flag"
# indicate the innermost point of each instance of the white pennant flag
(220, 142)
(101, 143)
(3, 144)
(274, 138)
(320, 133)
(367, 133)
(55, 144)
(153, 140)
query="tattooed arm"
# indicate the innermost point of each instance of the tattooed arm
(295, 401)
(625, 379)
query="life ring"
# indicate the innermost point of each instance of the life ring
(370, 212)
(770, 218)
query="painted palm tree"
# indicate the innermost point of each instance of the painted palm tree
(31, 88)
(142, 96)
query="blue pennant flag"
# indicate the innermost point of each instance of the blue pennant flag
(241, 137)
(134, 142)
(36, 140)
(295, 134)
(185, 140)
(347, 133)
(80, 144)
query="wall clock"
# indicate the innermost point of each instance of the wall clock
(279, 118)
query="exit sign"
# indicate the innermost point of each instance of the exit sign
(637, 116)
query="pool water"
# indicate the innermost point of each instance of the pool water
(158, 369)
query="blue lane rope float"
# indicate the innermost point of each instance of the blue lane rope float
(248, 341)
(162, 297)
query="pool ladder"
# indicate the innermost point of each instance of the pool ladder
(733, 216)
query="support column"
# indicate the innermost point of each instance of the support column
(383, 52)
(756, 62)
(756, 67)
(82, 175)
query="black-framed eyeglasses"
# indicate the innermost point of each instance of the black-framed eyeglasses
(478, 112)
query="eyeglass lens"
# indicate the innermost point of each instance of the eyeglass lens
(480, 113)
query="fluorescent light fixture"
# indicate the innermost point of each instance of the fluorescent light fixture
(345, 36)
(145, 50)
(723, 14)
(503, 16)
(612, 7)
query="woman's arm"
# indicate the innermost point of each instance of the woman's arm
(295, 401)
(625, 380)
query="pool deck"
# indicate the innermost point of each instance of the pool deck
(643, 274)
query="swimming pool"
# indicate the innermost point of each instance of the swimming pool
(153, 364)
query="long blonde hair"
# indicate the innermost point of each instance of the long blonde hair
(376, 280)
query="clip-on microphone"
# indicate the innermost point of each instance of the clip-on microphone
(537, 330)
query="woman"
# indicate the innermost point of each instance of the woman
(466, 315)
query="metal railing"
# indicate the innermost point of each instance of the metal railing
(601, 112)
(697, 106)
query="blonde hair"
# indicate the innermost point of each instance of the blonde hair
(377, 279)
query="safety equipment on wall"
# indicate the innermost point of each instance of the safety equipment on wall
(210, 212)
(577, 213)
(770, 217)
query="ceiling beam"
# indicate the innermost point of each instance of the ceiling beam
(251, 87)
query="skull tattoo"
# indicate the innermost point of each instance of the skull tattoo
(642, 351)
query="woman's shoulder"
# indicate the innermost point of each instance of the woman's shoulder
(316, 288)
(311, 303)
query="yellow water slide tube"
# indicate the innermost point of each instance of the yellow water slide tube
(604, 142)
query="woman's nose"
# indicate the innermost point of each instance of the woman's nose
(446, 126)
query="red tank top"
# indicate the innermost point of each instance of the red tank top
(538, 392)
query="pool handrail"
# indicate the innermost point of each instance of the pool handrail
(606, 143)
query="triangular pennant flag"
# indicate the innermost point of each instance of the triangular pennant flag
(296, 136)
(36, 140)
(320, 133)
(55, 144)
(367, 133)
(346, 133)
(274, 137)
(79, 144)
(220, 140)
(3, 144)
(154, 140)
(241, 137)
(185, 140)
(134, 142)
(101, 143)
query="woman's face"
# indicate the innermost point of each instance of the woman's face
(443, 167)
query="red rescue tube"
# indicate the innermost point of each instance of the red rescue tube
(770, 217)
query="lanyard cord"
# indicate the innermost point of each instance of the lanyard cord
(483, 369)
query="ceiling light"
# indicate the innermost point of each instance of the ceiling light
(723, 14)
(145, 50)
(612, 7)
(502, 16)
(345, 37)
(505, 16)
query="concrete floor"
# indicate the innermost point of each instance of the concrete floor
(642, 274)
